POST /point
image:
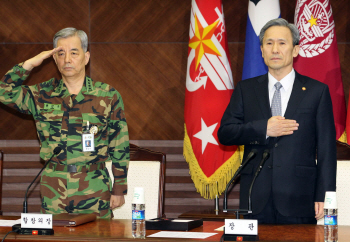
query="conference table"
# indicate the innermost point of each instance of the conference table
(120, 230)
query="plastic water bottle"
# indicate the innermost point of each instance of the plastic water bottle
(330, 225)
(138, 214)
(138, 221)
(330, 218)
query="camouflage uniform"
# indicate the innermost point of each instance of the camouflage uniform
(60, 119)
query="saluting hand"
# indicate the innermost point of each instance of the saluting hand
(38, 59)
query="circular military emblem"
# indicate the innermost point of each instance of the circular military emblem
(93, 130)
(316, 27)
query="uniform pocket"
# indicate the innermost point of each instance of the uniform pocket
(51, 124)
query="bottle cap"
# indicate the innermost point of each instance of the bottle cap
(330, 200)
(139, 195)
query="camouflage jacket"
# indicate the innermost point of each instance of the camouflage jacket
(61, 118)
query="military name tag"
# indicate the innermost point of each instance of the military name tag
(51, 106)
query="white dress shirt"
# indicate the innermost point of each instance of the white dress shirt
(286, 89)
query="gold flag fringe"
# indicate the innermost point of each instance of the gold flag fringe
(343, 138)
(216, 184)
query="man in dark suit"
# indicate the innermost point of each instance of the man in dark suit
(294, 121)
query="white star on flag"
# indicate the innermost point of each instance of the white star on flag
(206, 135)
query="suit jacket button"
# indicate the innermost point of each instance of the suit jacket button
(276, 144)
(270, 167)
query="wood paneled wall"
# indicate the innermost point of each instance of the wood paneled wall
(138, 46)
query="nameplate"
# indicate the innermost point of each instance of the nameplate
(50, 106)
(36, 221)
(241, 226)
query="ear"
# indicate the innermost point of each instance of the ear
(262, 52)
(55, 57)
(87, 57)
(296, 50)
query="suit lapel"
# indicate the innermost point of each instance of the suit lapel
(296, 97)
(262, 95)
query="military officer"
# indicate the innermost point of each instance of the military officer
(83, 117)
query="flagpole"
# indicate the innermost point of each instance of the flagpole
(217, 200)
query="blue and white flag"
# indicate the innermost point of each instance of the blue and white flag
(259, 13)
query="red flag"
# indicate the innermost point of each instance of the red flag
(318, 56)
(209, 86)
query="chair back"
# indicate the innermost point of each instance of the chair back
(343, 193)
(147, 170)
